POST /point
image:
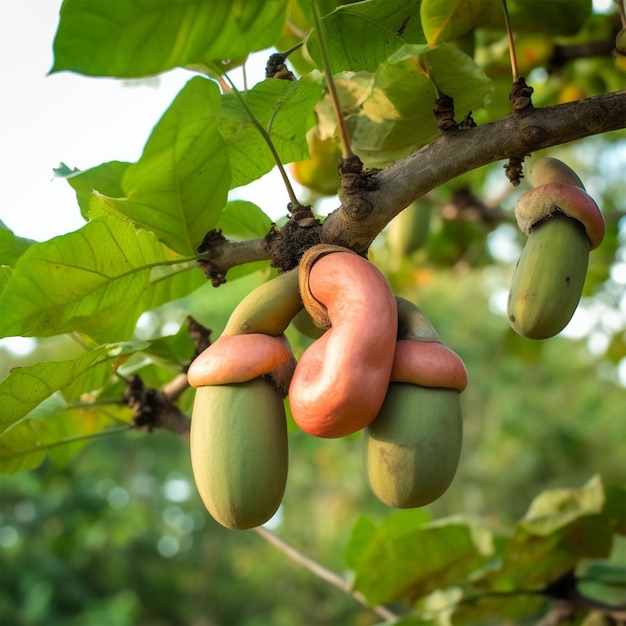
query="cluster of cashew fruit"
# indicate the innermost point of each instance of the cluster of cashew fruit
(376, 364)
(563, 224)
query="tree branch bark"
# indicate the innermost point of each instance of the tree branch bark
(364, 214)
(460, 151)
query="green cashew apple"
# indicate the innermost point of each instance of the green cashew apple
(412, 447)
(239, 452)
(563, 224)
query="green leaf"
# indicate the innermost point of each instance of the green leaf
(97, 280)
(511, 608)
(396, 117)
(27, 387)
(615, 507)
(132, 39)
(179, 186)
(172, 352)
(20, 450)
(539, 16)
(6, 273)
(407, 557)
(60, 436)
(104, 179)
(11, 246)
(443, 20)
(384, 26)
(242, 220)
(602, 581)
(285, 108)
(554, 509)
(363, 532)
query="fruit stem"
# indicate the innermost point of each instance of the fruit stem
(509, 34)
(346, 150)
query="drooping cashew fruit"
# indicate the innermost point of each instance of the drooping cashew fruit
(563, 224)
(412, 448)
(239, 358)
(269, 308)
(239, 451)
(340, 381)
(550, 170)
(252, 343)
(238, 440)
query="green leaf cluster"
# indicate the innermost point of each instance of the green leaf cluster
(135, 258)
(467, 569)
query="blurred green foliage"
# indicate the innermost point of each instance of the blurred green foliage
(113, 533)
(119, 536)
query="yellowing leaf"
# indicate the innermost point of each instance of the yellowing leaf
(443, 20)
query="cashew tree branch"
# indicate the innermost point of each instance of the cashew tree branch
(455, 152)
(387, 192)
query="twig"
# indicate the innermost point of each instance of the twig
(509, 34)
(334, 97)
(415, 175)
(321, 572)
(268, 140)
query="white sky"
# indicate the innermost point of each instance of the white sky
(79, 120)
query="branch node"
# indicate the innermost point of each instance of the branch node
(287, 245)
(443, 110)
(350, 170)
(467, 122)
(199, 334)
(357, 207)
(533, 135)
(213, 241)
(520, 95)
(153, 409)
(514, 170)
(302, 215)
(276, 68)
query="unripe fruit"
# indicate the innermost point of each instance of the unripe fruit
(412, 448)
(548, 278)
(239, 451)
(252, 343)
(268, 309)
(619, 53)
(304, 324)
(563, 224)
(340, 381)
(238, 436)
(620, 41)
(550, 170)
